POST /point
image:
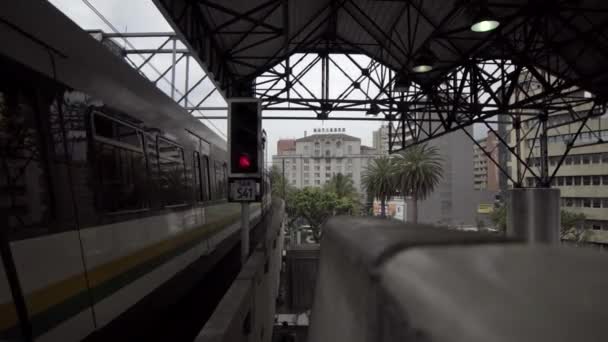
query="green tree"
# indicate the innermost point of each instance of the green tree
(342, 186)
(573, 226)
(280, 186)
(418, 171)
(316, 206)
(499, 218)
(379, 180)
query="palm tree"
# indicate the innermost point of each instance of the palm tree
(379, 179)
(342, 186)
(418, 170)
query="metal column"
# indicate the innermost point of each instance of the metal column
(533, 215)
(173, 69)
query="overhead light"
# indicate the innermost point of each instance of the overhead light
(484, 21)
(402, 83)
(374, 110)
(424, 60)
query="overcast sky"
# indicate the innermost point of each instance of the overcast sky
(143, 16)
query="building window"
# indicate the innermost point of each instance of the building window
(306, 160)
(597, 203)
(306, 182)
(317, 182)
(567, 160)
(317, 168)
(327, 175)
(605, 157)
(577, 202)
(306, 168)
(586, 180)
(327, 153)
(327, 168)
(596, 180)
(595, 158)
(605, 179)
(577, 180)
(560, 181)
(317, 174)
(349, 148)
(576, 159)
(569, 202)
(568, 180)
(585, 158)
(605, 202)
(350, 174)
(586, 202)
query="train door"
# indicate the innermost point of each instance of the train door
(199, 180)
(206, 181)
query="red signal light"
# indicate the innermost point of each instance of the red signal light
(244, 161)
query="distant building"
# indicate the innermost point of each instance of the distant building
(454, 201)
(284, 145)
(318, 157)
(485, 172)
(380, 139)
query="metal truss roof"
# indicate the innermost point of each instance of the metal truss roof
(547, 59)
(238, 40)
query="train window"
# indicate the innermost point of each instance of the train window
(120, 163)
(172, 173)
(118, 133)
(24, 187)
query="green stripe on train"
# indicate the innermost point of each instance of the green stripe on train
(53, 316)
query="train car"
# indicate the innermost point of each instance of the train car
(108, 188)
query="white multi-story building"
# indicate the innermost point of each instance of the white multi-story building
(380, 139)
(318, 157)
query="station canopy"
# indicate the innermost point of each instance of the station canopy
(239, 40)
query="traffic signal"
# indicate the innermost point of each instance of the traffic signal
(245, 138)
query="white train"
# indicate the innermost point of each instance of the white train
(107, 187)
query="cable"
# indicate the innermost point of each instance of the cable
(115, 30)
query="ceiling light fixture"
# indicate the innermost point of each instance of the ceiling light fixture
(484, 21)
(424, 60)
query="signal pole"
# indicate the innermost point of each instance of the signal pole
(244, 232)
(246, 160)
